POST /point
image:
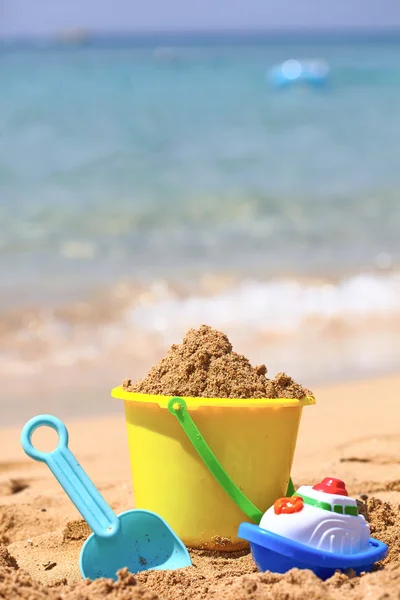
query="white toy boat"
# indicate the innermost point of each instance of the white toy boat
(317, 528)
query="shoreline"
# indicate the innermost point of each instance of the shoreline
(319, 334)
(87, 402)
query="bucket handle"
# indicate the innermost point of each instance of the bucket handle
(177, 407)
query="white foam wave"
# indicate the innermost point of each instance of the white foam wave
(276, 306)
(296, 311)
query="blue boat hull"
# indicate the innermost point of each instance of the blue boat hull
(277, 554)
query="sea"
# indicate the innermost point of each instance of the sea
(149, 186)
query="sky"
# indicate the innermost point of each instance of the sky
(21, 17)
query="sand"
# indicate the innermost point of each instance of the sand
(352, 433)
(204, 365)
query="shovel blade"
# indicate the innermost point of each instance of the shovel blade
(144, 541)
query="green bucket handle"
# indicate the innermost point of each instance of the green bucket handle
(177, 407)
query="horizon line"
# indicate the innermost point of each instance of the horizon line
(207, 32)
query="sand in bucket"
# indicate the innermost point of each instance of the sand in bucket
(249, 422)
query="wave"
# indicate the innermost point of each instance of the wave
(275, 306)
(313, 328)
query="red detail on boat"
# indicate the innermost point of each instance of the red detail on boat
(329, 485)
(288, 506)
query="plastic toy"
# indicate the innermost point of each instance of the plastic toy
(307, 72)
(245, 437)
(137, 539)
(318, 528)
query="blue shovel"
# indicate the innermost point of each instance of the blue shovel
(137, 539)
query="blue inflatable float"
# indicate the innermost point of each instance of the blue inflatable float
(309, 72)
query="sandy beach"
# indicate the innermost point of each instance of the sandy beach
(352, 433)
(172, 184)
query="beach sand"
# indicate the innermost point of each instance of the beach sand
(352, 433)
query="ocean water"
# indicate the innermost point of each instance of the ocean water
(142, 194)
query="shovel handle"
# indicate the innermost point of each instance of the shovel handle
(70, 475)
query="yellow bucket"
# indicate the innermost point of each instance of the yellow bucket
(253, 439)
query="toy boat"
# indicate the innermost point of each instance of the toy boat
(318, 528)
